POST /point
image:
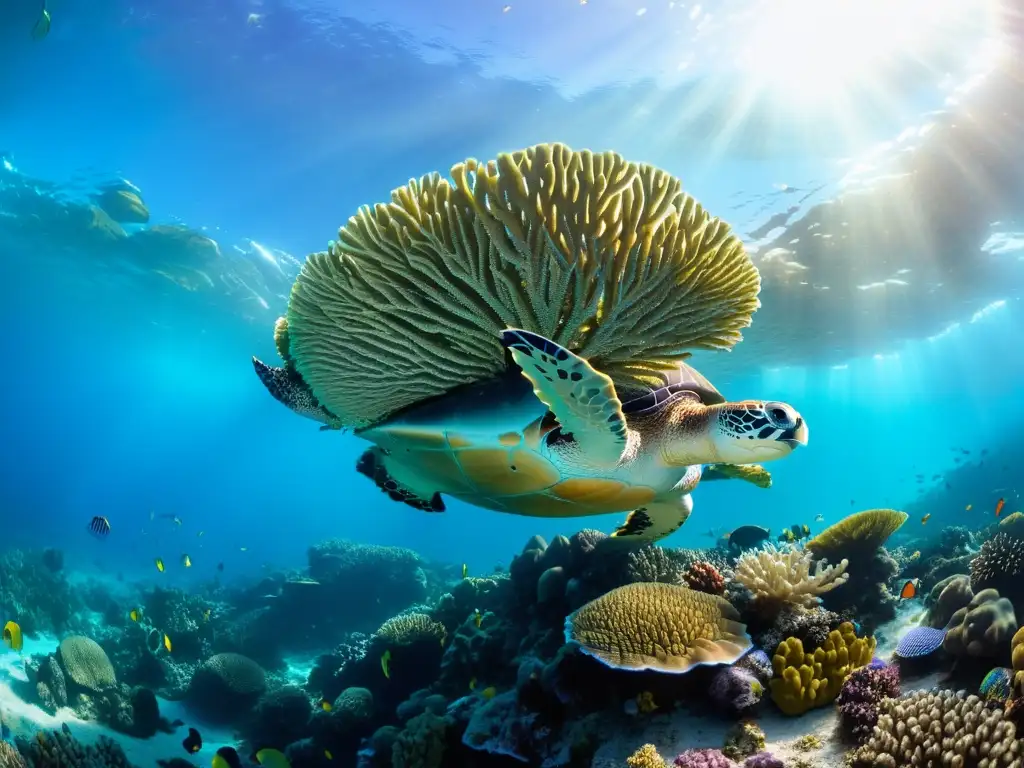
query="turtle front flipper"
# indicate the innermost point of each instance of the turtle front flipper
(581, 398)
(286, 386)
(655, 520)
(754, 474)
(372, 464)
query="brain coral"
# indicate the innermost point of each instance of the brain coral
(86, 663)
(777, 577)
(805, 680)
(607, 257)
(665, 627)
(940, 728)
(860, 532)
(984, 628)
(411, 628)
(946, 598)
(226, 685)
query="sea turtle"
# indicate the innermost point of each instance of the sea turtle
(552, 438)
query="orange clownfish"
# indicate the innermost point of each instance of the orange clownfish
(909, 590)
(999, 507)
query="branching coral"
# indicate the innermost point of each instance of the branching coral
(704, 577)
(645, 756)
(777, 577)
(940, 728)
(607, 257)
(658, 626)
(805, 680)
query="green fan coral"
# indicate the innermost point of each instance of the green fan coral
(606, 257)
(665, 627)
(411, 628)
(860, 532)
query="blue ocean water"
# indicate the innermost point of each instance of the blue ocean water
(129, 391)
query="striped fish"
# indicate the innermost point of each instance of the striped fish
(99, 526)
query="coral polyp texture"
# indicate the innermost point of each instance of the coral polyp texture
(861, 695)
(860, 532)
(940, 728)
(410, 628)
(608, 257)
(920, 641)
(1000, 565)
(704, 577)
(663, 627)
(777, 577)
(984, 628)
(807, 679)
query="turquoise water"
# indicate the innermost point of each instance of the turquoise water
(882, 206)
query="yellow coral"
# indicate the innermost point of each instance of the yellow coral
(666, 627)
(411, 628)
(607, 257)
(803, 681)
(859, 532)
(645, 757)
(1017, 650)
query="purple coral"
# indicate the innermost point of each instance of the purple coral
(735, 689)
(759, 663)
(703, 758)
(860, 696)
(763, 760)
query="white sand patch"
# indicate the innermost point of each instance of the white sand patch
(24, 719)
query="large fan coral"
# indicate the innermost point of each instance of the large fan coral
(779, 576)
(607, 257)
(859, 532)
(658, 626)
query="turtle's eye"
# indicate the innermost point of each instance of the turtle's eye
(782, 415)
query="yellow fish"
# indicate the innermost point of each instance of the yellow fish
(925, 518)
(159, 565)
(472, 683)
(325, 705)
(167, 643)
(969, 506)
(12, 636)
(272, 759)
(206, 614)
(465, 570)
(489, 692)
(135, 614)
(478, 618)
(328, 755)
(186, 561)
(385, 663)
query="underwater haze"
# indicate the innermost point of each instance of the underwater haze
(867, 154)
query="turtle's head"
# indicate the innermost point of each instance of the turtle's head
(754, 431)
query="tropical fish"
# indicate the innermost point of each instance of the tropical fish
(489, 692)
(206, 614)
(200, 533)
(135, 614)
(99, 526)
(12, 636)
(999, 507)
(167, 643)
(328, 755)
(243, 549)
(226, 757)
(42, 26)
(915, 555)
(186, 561)
(478, 618)
(465, 570)
(385, 663)
(325, 705)
(925, 518)
(749, 536)
(472, 683)
(968, 507)
(159, 564)
(193, 742)
(272, 758)
(909, 590)
(819, 518)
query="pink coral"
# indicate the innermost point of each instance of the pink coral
(703, 758)
(704, 577)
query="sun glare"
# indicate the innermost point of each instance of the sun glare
(810, 50)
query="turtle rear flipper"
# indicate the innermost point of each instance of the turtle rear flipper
(582, 398)
(754, 474)
(372, 465)
(655, 520)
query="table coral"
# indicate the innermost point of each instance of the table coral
(805, 680)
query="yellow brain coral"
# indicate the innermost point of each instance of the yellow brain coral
(803, 681)
(607, 257)
(859, 532)
(645, 757)
(665, 627)
(411, 628)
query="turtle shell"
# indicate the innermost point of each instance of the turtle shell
(481, 443)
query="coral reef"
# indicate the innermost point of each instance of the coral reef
(859, 533)
(999, 565)
(946, 598)
(942, 727)
(704, 577)
(983, 628)
(645, 756)
(860, 696)
(226, 686)
(36, 594)
(703, 758)
(920, 641)
(59, 749)
(805, 680)
(778, 577)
